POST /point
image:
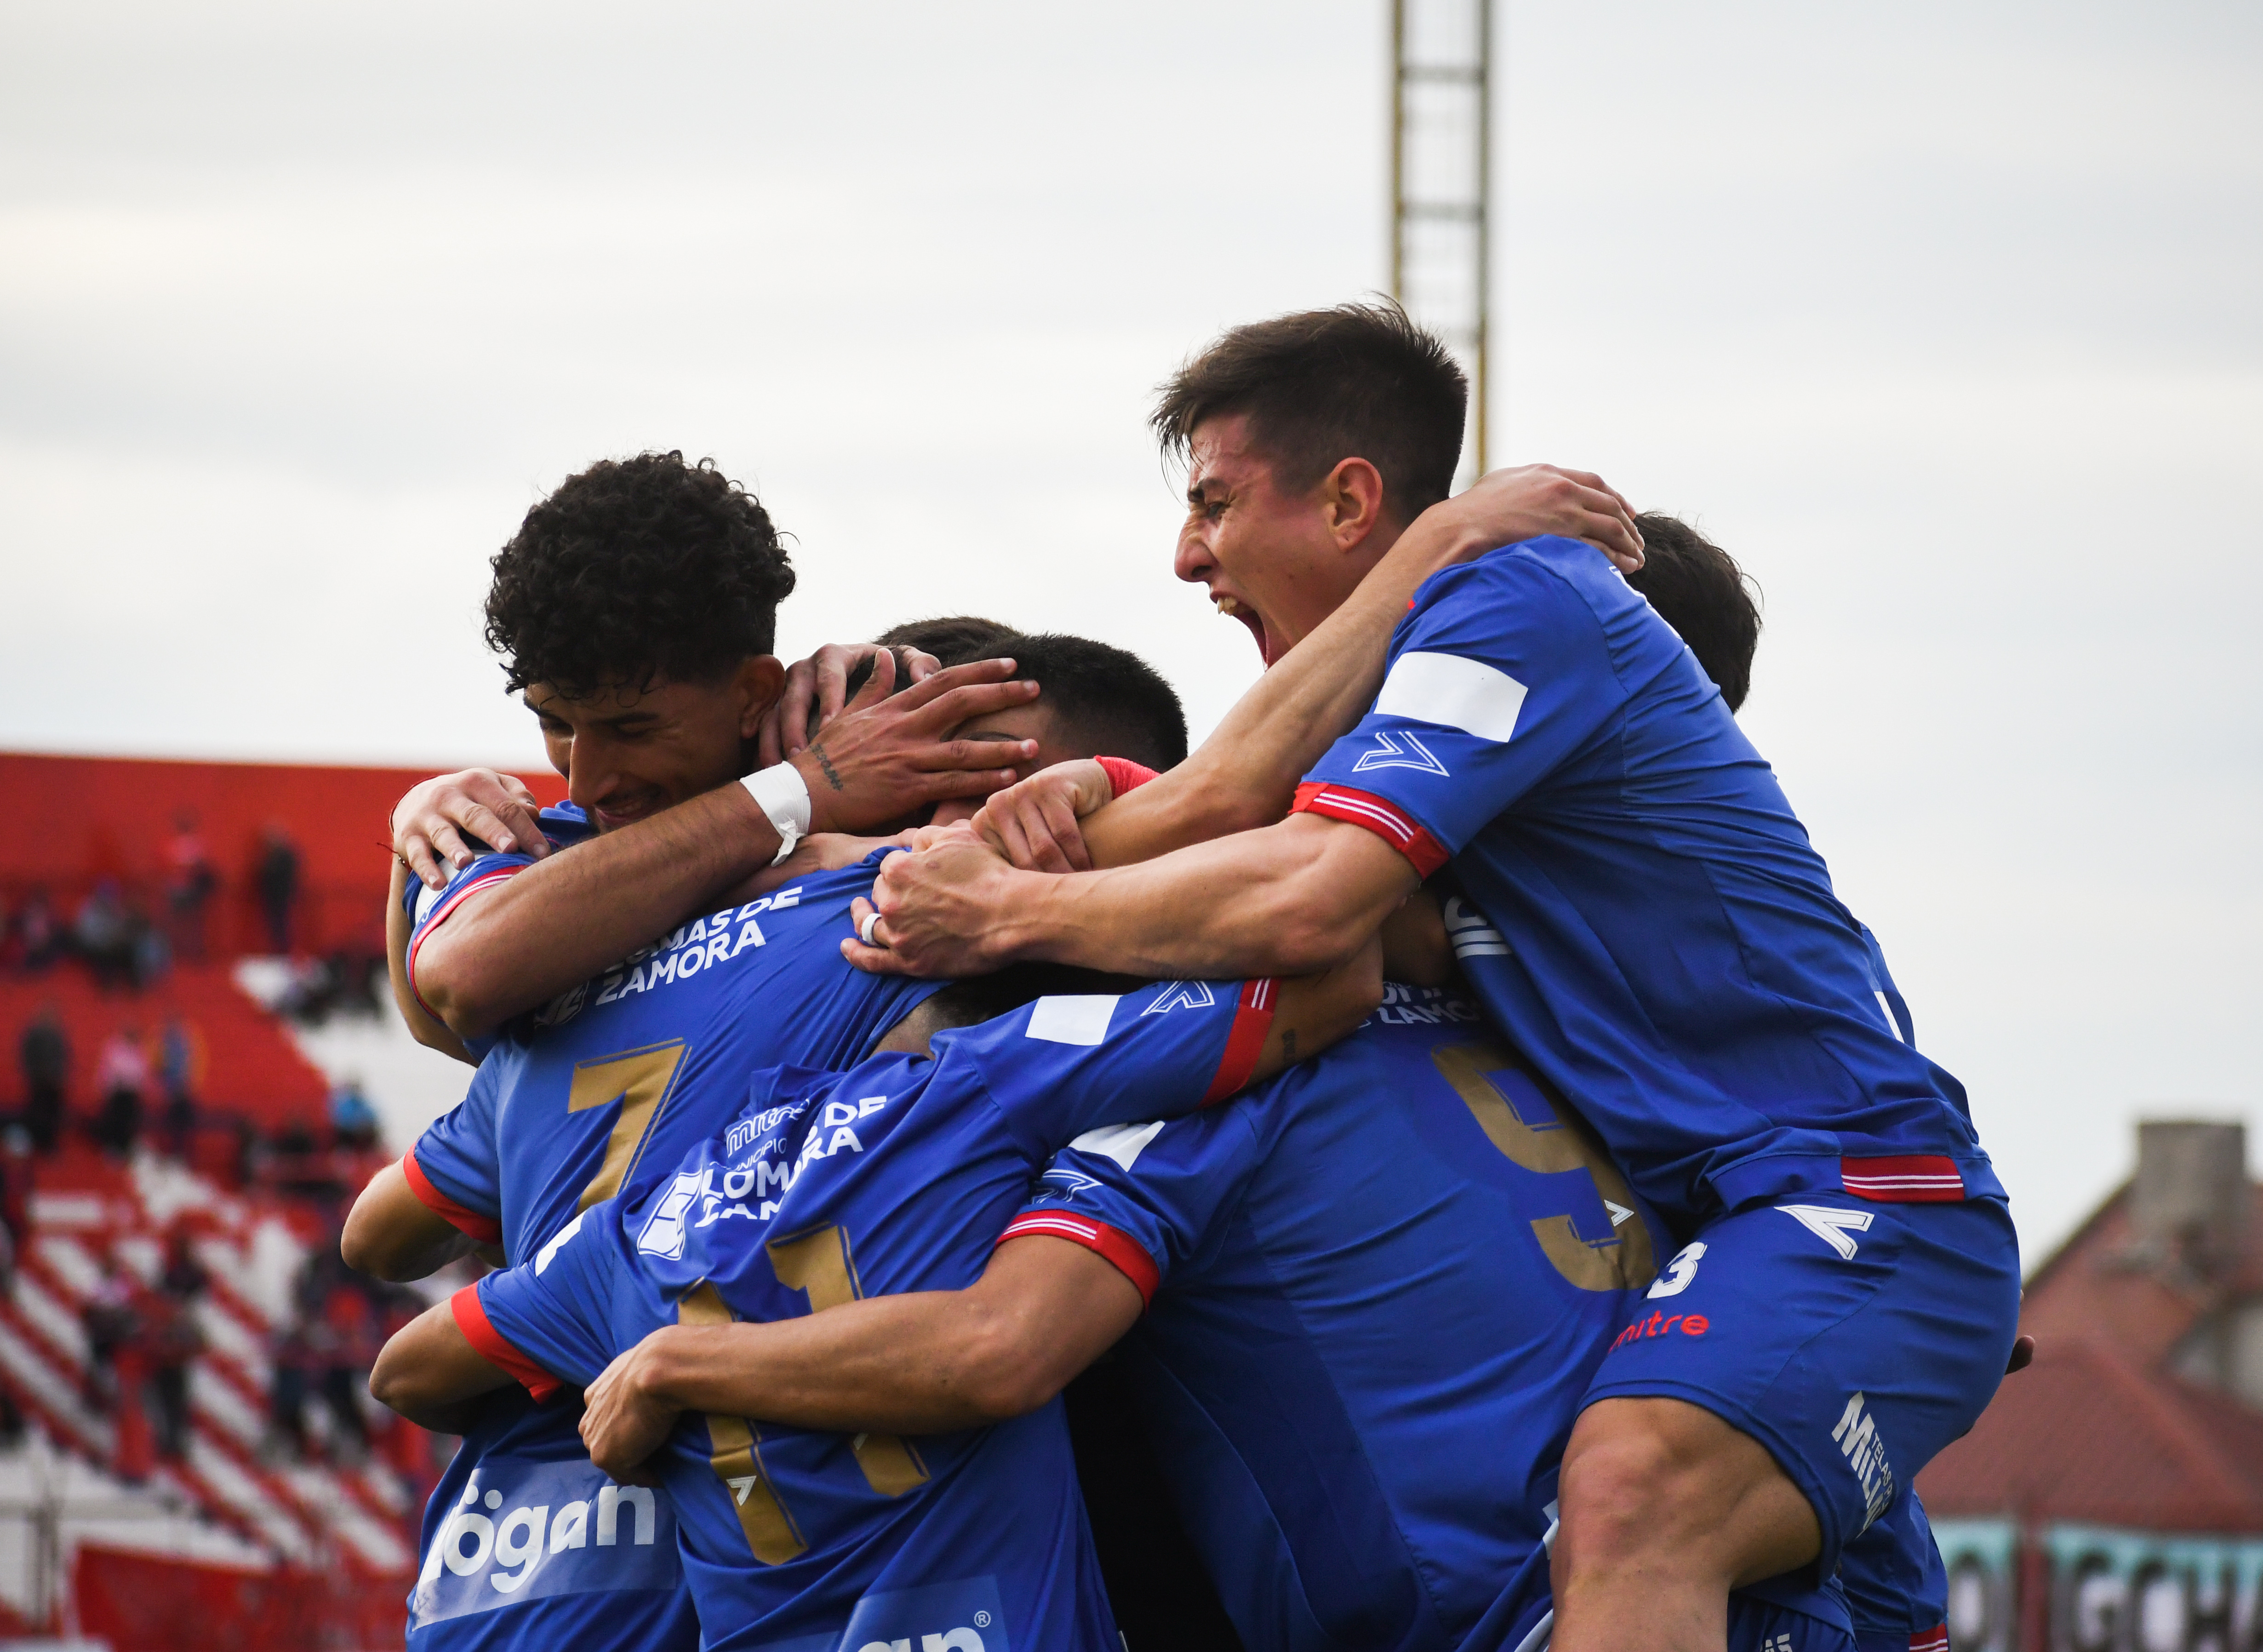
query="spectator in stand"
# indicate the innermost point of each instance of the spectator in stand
(277, 880)
(328, 1348)
(178, 1054)
(111, 1319)
(15, 1196)
(44, 1052)
(175, 1339)
(348, 1342)
(152, 953)
(103, 932)
(289, 1358)
(190, 880)
(39, 937)
(122, 1080)
(353, 1121)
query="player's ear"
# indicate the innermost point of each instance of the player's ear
(758, 682)
(1352, 494)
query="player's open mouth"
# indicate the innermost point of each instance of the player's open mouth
(1234, 608)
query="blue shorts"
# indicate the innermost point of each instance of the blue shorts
(1854, 1340)
(1896, 1587)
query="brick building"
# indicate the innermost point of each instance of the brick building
(2111, 1498)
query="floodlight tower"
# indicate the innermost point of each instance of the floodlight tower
(1440, 144)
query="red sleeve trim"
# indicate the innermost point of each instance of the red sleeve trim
(1935, 1639)
(1125, 775)
(1921, 1178)
(486, 1230)
(485, 881)
(1386, 819)
(1244, 1042)
(489, 1344)
(1129, 1257)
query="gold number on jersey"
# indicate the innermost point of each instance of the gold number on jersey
(640, 1081)
(820, 1263)
(735, 1454)
(1558, 1144)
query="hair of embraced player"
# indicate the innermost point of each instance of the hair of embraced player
(636, 571)
(1116, 703)
(1698, 589)
(1357, 382)
(953, 638)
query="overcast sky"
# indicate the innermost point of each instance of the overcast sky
(1945, 319)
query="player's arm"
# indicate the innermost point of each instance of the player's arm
(391, 1233)
(429, 1373)
(1297, 898)
(918, 1364)
(425, 1028)
(568, 917)
(1246, 773)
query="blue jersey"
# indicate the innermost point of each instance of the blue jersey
(1381, 1285)
(1644, 915)
(896, 1176)
(612, 1082)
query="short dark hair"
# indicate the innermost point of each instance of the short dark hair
(1113, 701)
(635, 571)
(1360, 381)
(954, 638)
(1698, 589)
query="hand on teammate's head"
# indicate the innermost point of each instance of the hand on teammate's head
(437, 822)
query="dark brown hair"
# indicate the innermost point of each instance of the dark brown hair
(1357, 382)
(1698, 589)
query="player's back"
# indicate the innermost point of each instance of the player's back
(607, 1086)
(1650, 921)
(1385, 1280)
(894, 1178)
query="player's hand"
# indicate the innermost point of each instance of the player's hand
(1504, 506)
(815, 690)
(433, 819)
(884, 757)
(938, 910)
(624, 1422)
(1033, 822)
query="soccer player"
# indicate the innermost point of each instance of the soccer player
(1672, 952)
(896, 1176)
(570, 1101)
(1374, 1291)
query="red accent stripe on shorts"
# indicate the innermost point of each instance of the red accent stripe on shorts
(1125, 1252)
(1917, 1178)
(486, 1230)
(485, 881)
(1931, 1641)
(489, 1344)
(1386, 819)
(1253, 1019)
(1125, 775)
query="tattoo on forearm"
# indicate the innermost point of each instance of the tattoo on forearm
(1289, 1043)
(832, 774)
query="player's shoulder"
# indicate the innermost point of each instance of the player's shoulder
(1549, 588)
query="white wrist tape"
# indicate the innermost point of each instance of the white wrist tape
(782, 795)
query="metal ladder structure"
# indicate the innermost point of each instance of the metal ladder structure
(1441, 168)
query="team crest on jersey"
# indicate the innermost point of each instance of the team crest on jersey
(1182, 995)
(1400, 750)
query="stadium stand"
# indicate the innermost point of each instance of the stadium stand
(262, 1531)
